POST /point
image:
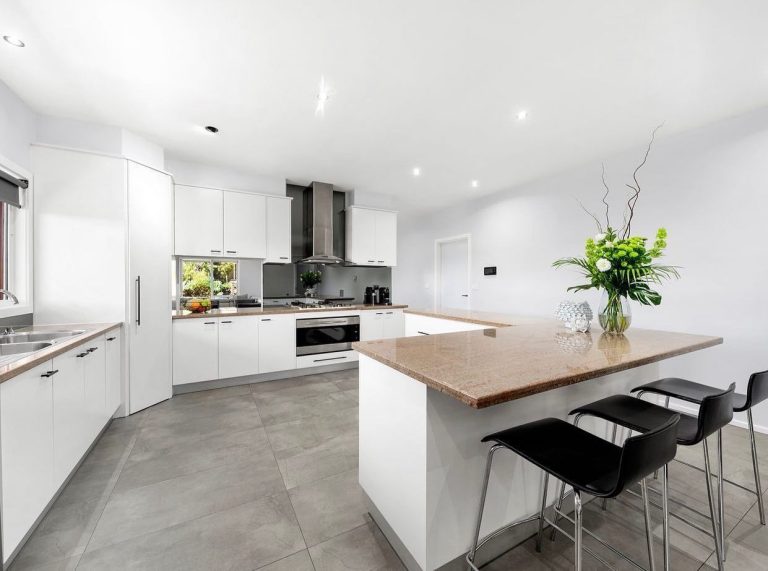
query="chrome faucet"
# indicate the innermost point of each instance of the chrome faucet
(9, 295)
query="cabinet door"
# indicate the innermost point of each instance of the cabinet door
(278, 230)
(238, 346)
(277, 343)
(195, 350)
(394, 324)
(150, 208)
(199, 219)
(70, 419)
(26, 417)
(114, 370)
(95, 386)
(245, 225)
(386, 238)
(361, 236)
(371, 325)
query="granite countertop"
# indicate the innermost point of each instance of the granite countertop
(31, 360)
(272, 310)
(489, 318)
(482, 368)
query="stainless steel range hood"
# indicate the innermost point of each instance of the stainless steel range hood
(319, 231)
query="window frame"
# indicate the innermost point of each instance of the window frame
(180, 270)
(18, 260)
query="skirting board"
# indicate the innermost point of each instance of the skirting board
(250, 379)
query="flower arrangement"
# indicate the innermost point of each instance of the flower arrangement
(310, 279)
(622, 265)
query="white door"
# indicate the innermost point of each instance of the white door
(150, 212)
(277, 343)
(278, 230)
(238, 346)
(114, 368)
(95, 386)
(199, 220)
(26, 416)
(195, 350)
(70, 421)
(453, 273)
(245, 225)
(386, 238)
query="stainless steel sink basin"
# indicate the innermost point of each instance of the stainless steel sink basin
(17, 348)
(31, 336)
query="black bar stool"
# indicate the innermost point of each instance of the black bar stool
(642, 416)
(689, 391)
(586, 462)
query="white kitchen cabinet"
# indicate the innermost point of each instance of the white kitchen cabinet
(424, 325)
(245, 225)
(371, 236)
(95, 386)
(381, 324)
(277, 343)
(26, 419)
(195, 350)
(199, 221)
(322, 359)
(70, 421)
(238, 346)
(278, 229)
(114, 370)
(394, 324)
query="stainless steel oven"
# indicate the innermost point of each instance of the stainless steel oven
(326, 334)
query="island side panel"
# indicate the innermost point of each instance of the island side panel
(456, 461)
(393, 455)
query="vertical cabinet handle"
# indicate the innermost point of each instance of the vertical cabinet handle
(138, 300)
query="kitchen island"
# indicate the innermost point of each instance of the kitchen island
(426, 402)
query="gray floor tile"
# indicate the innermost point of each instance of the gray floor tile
(68, 564)
(274, 411)
(363, 549)
(313, 430)
(150, 508)
(295, 388)
(329, 507)
(242, 538)
(169, 416)
(299, 561)
(304, 465)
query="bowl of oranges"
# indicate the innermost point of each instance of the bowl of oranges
(198, 305)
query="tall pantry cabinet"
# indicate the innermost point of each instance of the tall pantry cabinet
(103, 228)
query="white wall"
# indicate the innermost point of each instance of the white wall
(17, 127)
(197, 174)
(708, 187)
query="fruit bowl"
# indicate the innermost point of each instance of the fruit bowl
(198, 305)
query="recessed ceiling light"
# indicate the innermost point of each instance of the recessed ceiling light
(14, 41)
(522, 115)
(416, 171)
(475, 184)
(211, 129)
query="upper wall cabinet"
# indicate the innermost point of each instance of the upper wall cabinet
(278, 230)
(371, 236)
(245, 225)
(199, 221)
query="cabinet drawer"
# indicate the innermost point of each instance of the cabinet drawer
(326, 359)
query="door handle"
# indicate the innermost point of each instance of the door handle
(81, 355)
(209, 323)
(226, 322)
(92, 349)
(231, 251)
(266, 320)
(423, 333)
(111, 338)
(50, 373)
(328, 359)
(138, 300)
(464, 295)
(215, 251)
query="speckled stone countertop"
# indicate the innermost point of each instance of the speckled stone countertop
(236, 311)
(486, 367)
(62, 345)
(489, 318)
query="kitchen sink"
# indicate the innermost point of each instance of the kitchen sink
(32, 336)
(18, 348)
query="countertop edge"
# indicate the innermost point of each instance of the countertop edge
(280, 310)
(38, 357)
(463, 319)
(539, 387)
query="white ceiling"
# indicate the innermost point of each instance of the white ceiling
(428, 83)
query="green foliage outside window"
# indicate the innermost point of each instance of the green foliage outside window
(207, 278)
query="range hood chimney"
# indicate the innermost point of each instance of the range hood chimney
(318, 225)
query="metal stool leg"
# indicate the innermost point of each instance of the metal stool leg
(556, 516)
(712, 511)
(488, 464)
(755, 467)
(613, 439)
(666, 405)
(541, 513)
(721, 491)
(648, 529)
(665, 513)
(577, 530)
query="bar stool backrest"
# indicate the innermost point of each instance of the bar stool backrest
(645, 453)
(715, 412)
(757, 389)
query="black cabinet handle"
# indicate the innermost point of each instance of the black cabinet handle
(215, 251)
(372, 261)
(283, 257)
(381, 261)
(111, 338)
(266, 320)
(231, 251)
(423, 333)
(81, 355)
(138, 300)
(50, 373)
(226, 322)
(209, 323)
(328, 359)
(92, 349)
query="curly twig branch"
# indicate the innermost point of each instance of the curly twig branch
(584, 208)
(636, 187)
(605, 196)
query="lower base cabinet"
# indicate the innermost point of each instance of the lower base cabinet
(70, 427)
(381, 324)
(277, 343)
(114, 367)
(238, 347)
(195, 350)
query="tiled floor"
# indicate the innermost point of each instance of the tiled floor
(265, 477)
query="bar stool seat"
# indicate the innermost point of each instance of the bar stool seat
(560, 448)
(689, 391)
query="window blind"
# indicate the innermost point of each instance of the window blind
(10, 188)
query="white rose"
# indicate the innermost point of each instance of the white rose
(603, 265)
(609, 244)
(599, 237)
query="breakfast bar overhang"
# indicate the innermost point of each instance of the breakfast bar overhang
(426, 402)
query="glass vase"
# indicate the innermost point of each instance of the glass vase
(614, 313)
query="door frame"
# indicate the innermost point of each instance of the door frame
(439, 270)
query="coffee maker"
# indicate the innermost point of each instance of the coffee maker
(375, 295)
(384, 298)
